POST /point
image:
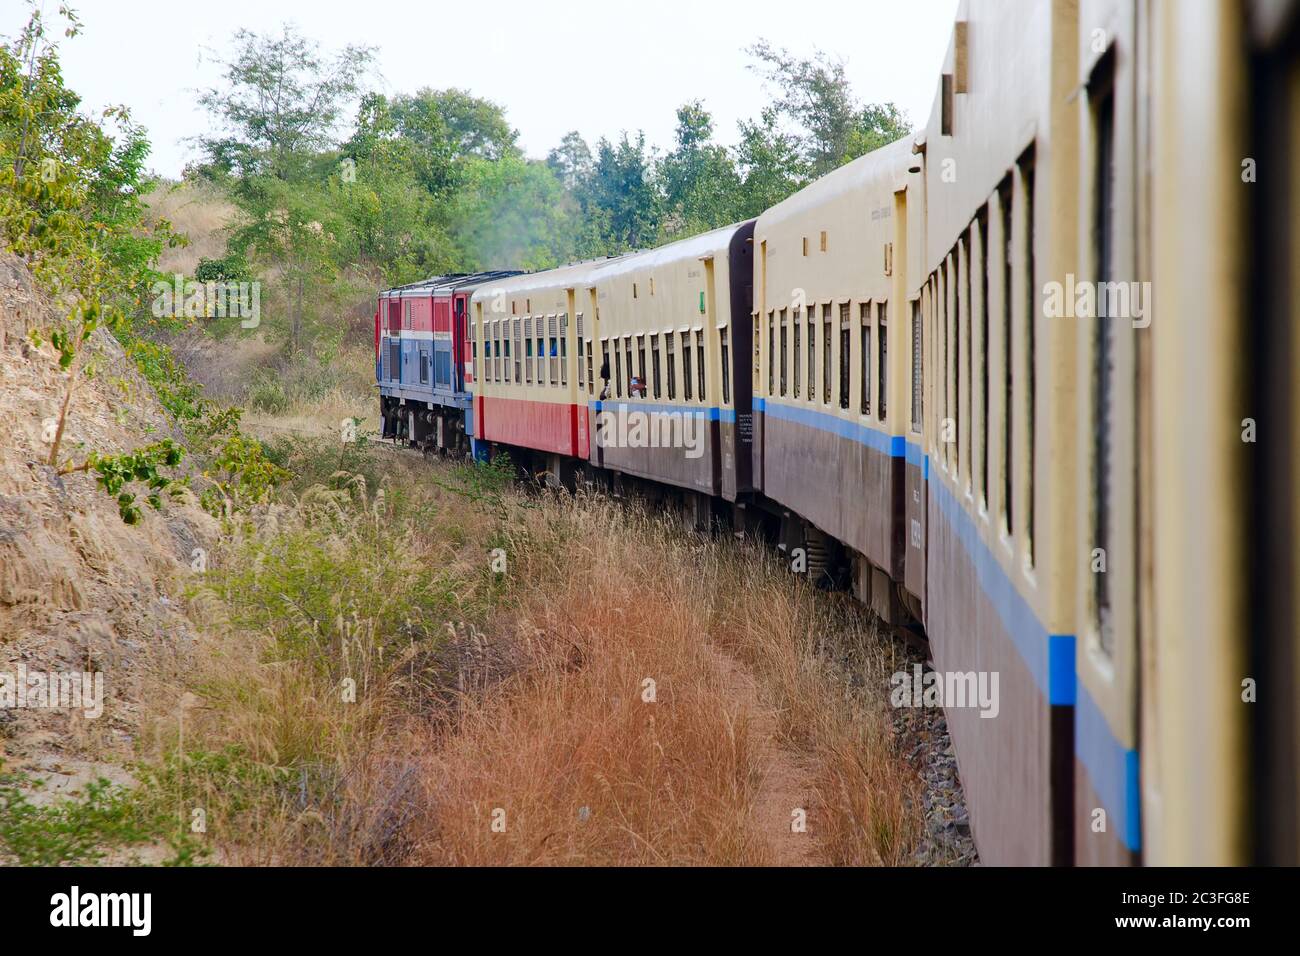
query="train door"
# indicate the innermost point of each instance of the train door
(461, 346)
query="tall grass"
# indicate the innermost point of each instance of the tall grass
(586, 771)
(581, 706)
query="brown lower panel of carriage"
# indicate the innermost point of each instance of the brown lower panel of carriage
(1092, 848)
(674, 464)
(914, 513)
(847, 489)
(1005, 762)
(727, 446)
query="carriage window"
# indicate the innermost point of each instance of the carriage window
(541, 350)
(827, 369)
(582, 369)
(618, 371)
(864, 331)
(424, 367)
(1008, 406)
(687, 383)
(916, 366)
(798, 320)
(726, 368)
(771, 355)
(699, 361)
(958, 319)
(966, 450)
(654, 357)
(1031, 351)
(945, 361)
(882, 374)
(642, 370)
(982, 233)
(812, 353)
(627, 350)
(670, 342)
(528, 353)
(591, 379)
(564, 349)
(845, 355)
(1101, 96)
(784, 352)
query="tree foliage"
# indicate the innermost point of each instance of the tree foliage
(815, 96)
(434, 181)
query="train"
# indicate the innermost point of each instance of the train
(1025, 380)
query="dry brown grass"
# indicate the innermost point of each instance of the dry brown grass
(523, 701)
(201, 214)
(584, 767)
(586, 772)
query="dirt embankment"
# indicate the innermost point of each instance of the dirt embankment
(79, 589)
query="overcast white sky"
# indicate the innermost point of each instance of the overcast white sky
(597, 67)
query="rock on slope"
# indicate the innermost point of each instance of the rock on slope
(80, 590)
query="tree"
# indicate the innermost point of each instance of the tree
(815, 95)
(698, 178)
(474, 127)
(621, 198)
(571, 161)
(879, 124)
(395, 224)
(71, 205)
(278, 114)
(769, 163)
(281, 101)
(511, 214)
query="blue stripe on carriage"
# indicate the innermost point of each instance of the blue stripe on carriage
(886, 444)
(1049, 657)
(1112, 768)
